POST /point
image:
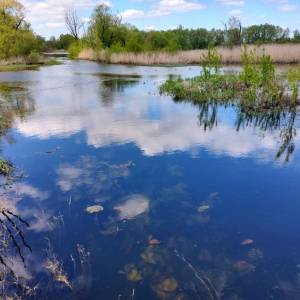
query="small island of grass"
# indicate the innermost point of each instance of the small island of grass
(256, 88)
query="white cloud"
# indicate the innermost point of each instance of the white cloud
(176, 130)
(164, 8)
(232, 2)
(236, 12)
(22, 189)
(150, 28)
(134, 206)
(288, 7)
(46, 15)
(132, 14)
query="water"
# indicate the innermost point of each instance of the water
(209, 188)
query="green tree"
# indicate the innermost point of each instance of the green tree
(233, 31)
(104, 26)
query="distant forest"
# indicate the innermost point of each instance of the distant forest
(108, 31)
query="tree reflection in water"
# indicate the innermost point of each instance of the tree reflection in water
(283, 121)
(14, 102)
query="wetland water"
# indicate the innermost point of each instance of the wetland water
(130, 195)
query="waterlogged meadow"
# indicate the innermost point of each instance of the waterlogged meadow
(115, 191)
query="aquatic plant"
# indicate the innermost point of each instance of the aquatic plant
(250, 72)
(211, 63)
(5, 167)
(255, 88)
(267, 70)
(293, 77)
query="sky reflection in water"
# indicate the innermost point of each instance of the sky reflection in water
(177, 174)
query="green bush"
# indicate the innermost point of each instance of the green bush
(33, 58)
(76, 48)
(211, 63)
(267, 74)
(250, 73)
(117, 48)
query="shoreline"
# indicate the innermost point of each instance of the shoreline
(19, 64)
(282, 54)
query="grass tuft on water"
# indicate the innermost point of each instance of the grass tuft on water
(256, 88)
(29, 66)
(5, 167)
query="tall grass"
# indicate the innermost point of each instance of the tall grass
(280, 54)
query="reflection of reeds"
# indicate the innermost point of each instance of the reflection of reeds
(280, 53)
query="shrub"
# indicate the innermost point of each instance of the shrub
(267, 74)
(211, 62)
(76, 48)
(250, 73)
(33, 58)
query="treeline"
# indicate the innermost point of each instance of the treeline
(107, 31)
(16, 36)
(17, 39)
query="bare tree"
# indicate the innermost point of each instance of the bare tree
(73, 22)
(233, 31)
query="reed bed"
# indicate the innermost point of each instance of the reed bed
(280, 54)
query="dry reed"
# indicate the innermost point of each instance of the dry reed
(280, 53)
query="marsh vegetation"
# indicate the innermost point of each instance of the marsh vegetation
(256, 88)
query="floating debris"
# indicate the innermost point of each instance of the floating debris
(63, 279)
(203, 208)
(154, 242)
(132, 273)
(247, 242)
(209, 203)
(255, 255)
(243, 267)
(166, 288)
(134, 206)
(94, 209)
(56, 269)
(148, 256)
(169, 285)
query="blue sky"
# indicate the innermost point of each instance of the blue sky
(47, 16)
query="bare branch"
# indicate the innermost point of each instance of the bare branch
(73, 22)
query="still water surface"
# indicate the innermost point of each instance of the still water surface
(199, 202)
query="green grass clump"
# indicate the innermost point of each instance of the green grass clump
(31, 65)
(5, 167)
(18, 67)
(255, 88)
(8, 88)
(4, 124)
(293, 77)
(52, 62)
